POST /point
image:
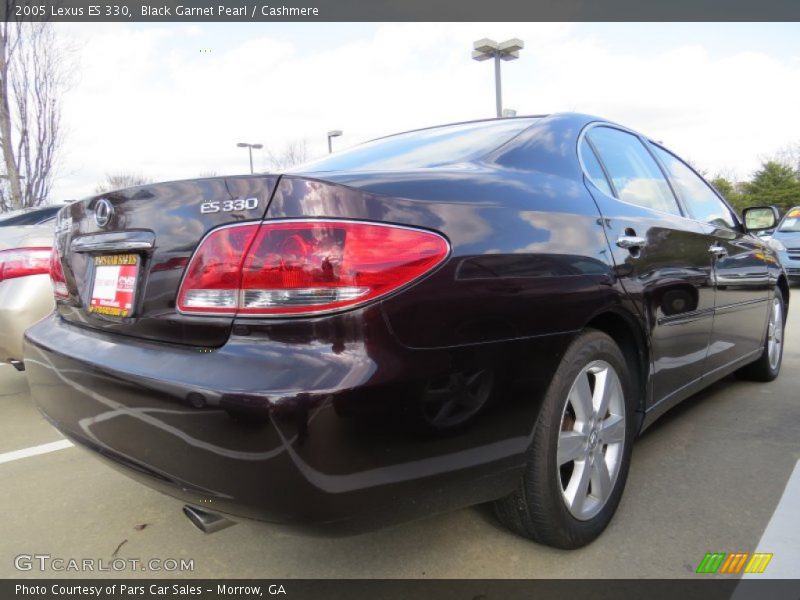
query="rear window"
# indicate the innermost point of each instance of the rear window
(422, 149)
(33, 217)
(634, 173)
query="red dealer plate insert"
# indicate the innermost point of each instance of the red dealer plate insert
(114, 287)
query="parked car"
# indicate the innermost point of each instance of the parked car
(26, 294)
(786, 241)
(479, 312)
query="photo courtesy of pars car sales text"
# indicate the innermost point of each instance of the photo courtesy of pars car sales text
(152, 590)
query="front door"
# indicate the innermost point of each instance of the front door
(740, 269)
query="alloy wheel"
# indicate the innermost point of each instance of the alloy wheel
(591, 439)
(775, 334)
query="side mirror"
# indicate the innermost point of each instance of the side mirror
(760, 218)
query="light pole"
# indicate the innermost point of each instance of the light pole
(250, 148)
(332, 134)
(509, 50)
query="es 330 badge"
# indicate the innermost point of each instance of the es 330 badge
(234, 205)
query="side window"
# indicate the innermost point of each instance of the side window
(701, 201)
(633, 171)
(593, 168)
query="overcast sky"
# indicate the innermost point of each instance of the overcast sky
(170, 101)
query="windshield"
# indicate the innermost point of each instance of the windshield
(791, 222)
(422, 149)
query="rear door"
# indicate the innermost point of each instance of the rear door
(740, 268)
(661, 257)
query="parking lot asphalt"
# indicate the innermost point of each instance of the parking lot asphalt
(706, 478)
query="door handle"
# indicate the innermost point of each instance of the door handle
(631, 241)
(717, 250)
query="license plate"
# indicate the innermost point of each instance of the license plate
(114, 288)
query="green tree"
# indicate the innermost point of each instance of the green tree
(774, 183)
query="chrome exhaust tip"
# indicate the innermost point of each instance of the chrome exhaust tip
(206, 522)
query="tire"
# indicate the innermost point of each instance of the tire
(768, 366)
(538, 509)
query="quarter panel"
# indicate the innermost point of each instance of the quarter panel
(529, 255)
(23, 301)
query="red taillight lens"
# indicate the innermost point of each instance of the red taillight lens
(21, 262)
(57, 276)
(304, 267)
(212, 280)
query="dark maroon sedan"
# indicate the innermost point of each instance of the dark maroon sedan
(485, 311)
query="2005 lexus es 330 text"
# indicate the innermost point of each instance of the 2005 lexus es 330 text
(485, 311)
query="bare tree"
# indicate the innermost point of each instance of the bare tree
(293, 153)
(697, 167)
(34, 73)
(789, 155)
(118, 181)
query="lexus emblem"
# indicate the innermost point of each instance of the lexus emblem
(102, 212)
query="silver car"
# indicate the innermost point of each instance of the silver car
(26, 294)
(786, 241)
(30, 216)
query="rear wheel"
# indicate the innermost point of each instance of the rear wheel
(768, 365)
(579, 456)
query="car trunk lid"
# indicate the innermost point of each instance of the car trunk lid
(153, 229)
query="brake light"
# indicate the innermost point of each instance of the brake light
(57, 276)
(211, 283)
(304, 267)
(21, 262)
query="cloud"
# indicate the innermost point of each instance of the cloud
(171, 101)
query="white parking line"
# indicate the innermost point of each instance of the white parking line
(34, 451)
(782, 536)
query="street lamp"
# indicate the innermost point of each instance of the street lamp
(509, 50)
(332, 134)
(250, 148)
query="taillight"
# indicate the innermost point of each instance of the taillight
(21, 262)
(57, 276)
(212, 280)
(304, 267)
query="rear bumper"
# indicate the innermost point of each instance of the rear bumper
(309, 431)
(23, 301)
